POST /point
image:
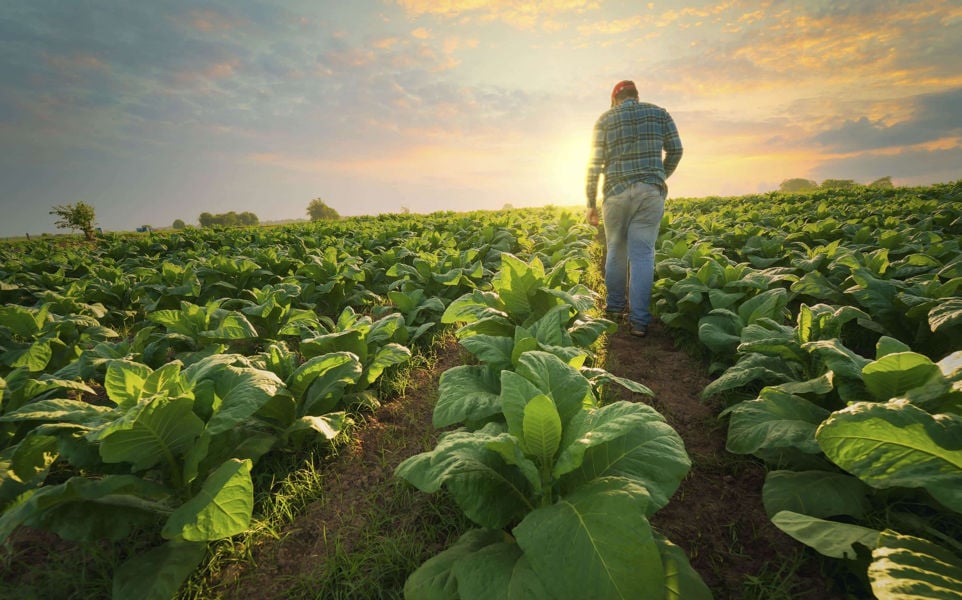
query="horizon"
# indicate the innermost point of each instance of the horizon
(156, 113)
(307, 220)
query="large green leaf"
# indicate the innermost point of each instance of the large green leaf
(843, 361)
(323, 376)
(309, 370)
(599, 377)
(769, 304)
(239, 393)
(894, 374)
(516, 285)
(234, 326)
(896, 444)
(475, 306)
(946, 314)
(595, 542)
(487, 573)
(624, 439)
(83, 509)
(35, 357)
(493, 350)
(390, 354)
(815, 493)
(221, 509)
(682, 582)
(467, 393)
(720, 331)
(124, 382)
(910, 568)
(562, 382)
(751, 368)
(516, 391)
(435, 579)
(551, 329)
(32, 456)
(158, 573)
(776, 420)
(341, 341)
(22, 321)
(830, 538)
(489, 491)
(542, 430)
(60, 411)
(151, 433)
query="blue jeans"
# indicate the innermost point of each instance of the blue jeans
(631, 220)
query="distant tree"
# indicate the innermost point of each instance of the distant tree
(507, 206)
(79, 217)
(797, 185)
(838, 184)
(404, 210)
(179, 224)
(882, 182)
(317, 210)
(248, 219)
(228, 219)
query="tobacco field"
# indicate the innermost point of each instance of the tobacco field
(149, 381)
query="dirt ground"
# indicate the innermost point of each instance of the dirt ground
(716, 516)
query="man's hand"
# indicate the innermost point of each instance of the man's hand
(592, 216)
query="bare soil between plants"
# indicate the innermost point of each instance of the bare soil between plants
(716, 515)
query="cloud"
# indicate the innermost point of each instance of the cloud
(521, 14)
(933, 117)
(908, 166)
(742, 46)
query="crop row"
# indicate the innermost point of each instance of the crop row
(559, 485)
(143, 377)
(834, 324)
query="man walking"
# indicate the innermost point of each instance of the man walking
(627, 145)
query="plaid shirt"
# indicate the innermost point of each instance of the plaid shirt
(627, 146)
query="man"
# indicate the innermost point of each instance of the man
(627, 145)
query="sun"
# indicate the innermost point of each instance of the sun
(565, 166)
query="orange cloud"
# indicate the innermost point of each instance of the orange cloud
(209, 21)
(76, 61)
(521, 14)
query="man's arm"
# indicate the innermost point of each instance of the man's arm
(672, 145)
(596, 163)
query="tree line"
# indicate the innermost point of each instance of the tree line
(799, 184)
(80, 217)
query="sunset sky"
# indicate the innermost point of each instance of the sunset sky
(156, 111)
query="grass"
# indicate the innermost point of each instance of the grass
(776, 581)
(382, 554)
(377, 533)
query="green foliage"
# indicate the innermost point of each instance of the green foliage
(78, 217)
(318, 210)
(142, 378)
(840, 312)
(797, 185)
(228, 219)
(838, 184)
(549, 475)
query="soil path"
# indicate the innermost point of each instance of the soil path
(716, 516)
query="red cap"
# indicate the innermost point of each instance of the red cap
(620, 87)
